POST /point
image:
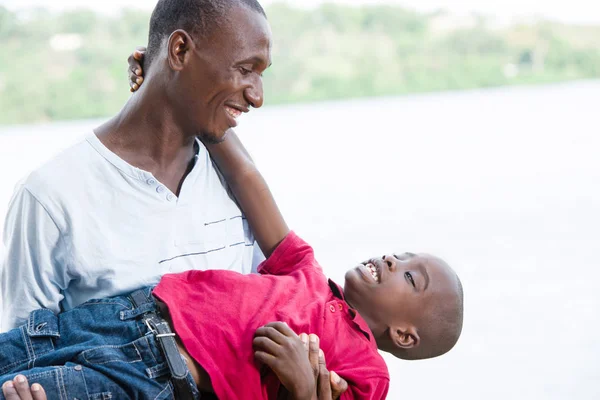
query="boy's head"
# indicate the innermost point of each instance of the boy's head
(413, 303)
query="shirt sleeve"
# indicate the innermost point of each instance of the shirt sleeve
(369, 389)
(257, 257)
(33, 272)
(292, 254)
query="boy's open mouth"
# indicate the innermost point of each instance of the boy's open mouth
(374, 270)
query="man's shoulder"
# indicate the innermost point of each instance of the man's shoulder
(64, 169)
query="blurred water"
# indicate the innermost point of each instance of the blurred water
(503, 184)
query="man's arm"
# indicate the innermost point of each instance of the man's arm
(30, 276)
(251, 191)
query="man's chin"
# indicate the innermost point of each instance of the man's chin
(212, 138)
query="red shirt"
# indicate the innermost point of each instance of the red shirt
(215, 313)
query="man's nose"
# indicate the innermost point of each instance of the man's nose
(390, 261)
(254, 94)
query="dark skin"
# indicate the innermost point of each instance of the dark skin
(417, 282)
(194, 87)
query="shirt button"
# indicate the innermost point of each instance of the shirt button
(332, 308)
(160, 189)
(77, 368)
(170, 197)
(151, 181)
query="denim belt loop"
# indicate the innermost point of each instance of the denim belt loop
(142, 304)
(41, 331)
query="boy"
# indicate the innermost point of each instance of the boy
(408, 305)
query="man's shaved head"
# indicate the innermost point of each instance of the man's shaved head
(197, 17)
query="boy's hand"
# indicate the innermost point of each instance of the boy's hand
(136, 74)
(20, 390)
(278, 347)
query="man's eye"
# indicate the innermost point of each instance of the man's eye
(245, 71)
(409, 276)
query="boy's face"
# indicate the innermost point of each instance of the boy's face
(397, 291)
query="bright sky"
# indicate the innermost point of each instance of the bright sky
(578, 11)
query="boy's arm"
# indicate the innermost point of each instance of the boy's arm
(251, 191)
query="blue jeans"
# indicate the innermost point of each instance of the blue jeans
(100, 350)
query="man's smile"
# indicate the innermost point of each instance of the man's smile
(235, 110)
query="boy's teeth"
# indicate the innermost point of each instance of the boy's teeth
(373, 271)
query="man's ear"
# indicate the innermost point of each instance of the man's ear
(179, 46)
(404, 336)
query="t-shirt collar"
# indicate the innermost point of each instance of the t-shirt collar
(338, 292)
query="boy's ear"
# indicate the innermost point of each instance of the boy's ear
(179, 45)
(404, 336)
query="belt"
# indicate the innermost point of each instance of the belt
(162, 331)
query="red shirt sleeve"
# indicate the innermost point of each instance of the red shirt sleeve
(368, 389)
(291, 255)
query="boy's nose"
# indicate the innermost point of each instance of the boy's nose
(390, 261)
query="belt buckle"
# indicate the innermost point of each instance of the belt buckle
(156, 332)
(150, 328)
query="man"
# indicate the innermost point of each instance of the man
(140, 197)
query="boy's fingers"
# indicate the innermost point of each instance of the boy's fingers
(268, 359)
(338, 385)
(283, 328)
(276, 331)
(135, 81)
(38, 392)
(266, 345)
(135, 69)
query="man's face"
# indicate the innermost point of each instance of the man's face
(397, 289)
(223, 76)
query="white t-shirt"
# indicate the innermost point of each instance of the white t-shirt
(89, 225)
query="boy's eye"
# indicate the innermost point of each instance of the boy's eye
(409, 276)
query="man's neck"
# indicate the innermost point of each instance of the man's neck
(147, 135)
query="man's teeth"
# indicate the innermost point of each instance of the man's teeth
(233, 112)
(373, 271)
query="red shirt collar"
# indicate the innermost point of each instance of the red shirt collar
(355, 317)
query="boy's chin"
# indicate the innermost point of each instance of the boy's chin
(353, 283)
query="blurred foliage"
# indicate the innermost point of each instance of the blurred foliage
(73, 65)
